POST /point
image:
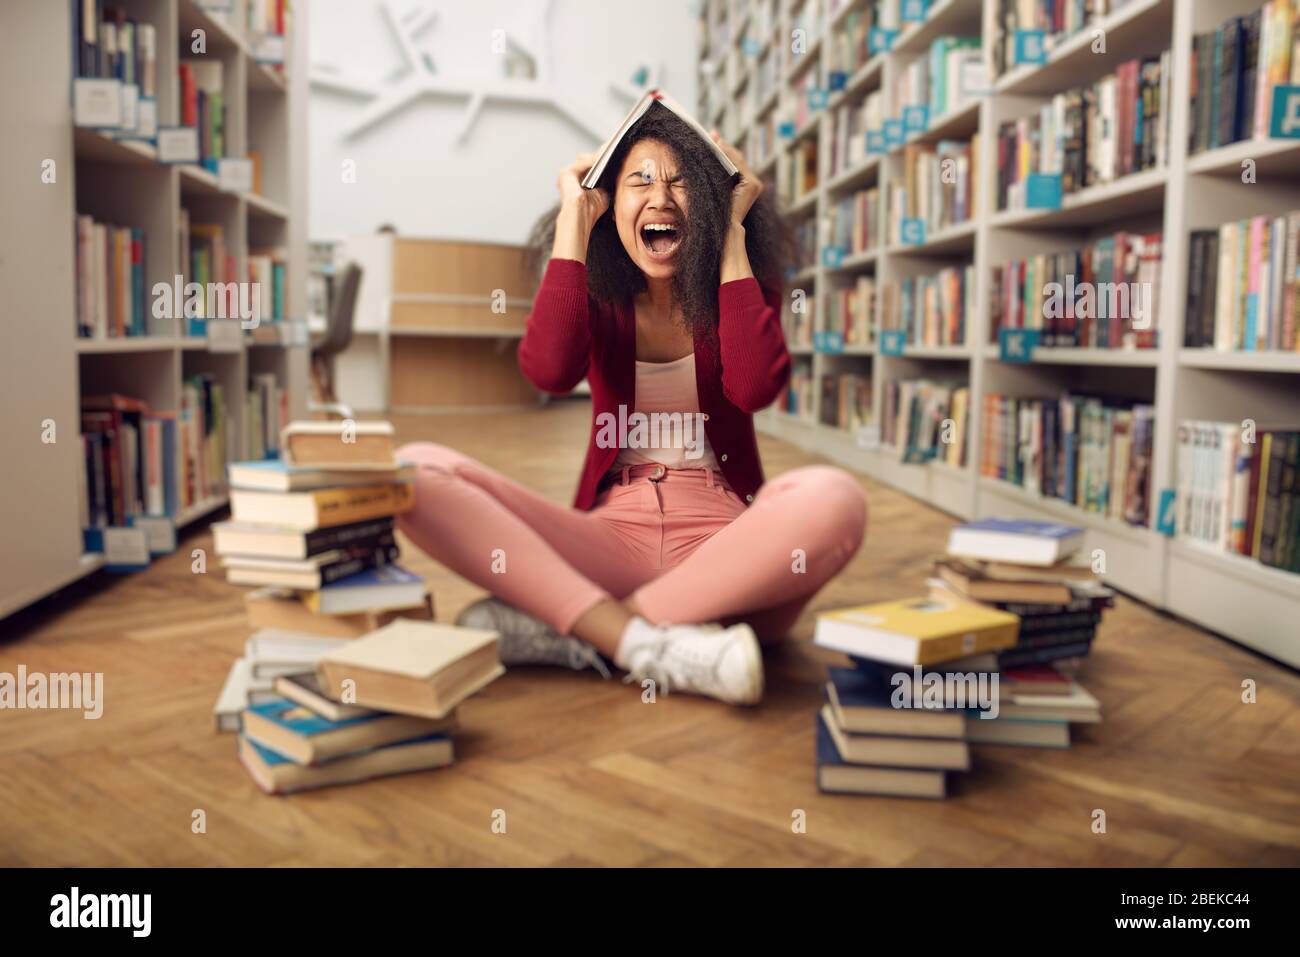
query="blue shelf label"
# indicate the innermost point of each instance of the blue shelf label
(876, 142)
(914, 11)
(751, 46)
(828, 341)
(1017, 345)
(879, 39)
(1043, 191)
(832, 256)
(894, 134)
(911, 232)
(817, 98)
(1286, 113)
(1031, 46)
(916, 119)
(1165, 512)
(892, 342)
(786, 130)
(837, 80)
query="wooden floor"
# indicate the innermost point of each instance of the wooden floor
(586, 774)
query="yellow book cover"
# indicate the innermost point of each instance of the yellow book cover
(917, 630)
(339, 506)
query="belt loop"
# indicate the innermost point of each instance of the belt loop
(626, 469)
(708, 477)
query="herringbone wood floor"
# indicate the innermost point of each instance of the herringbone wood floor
(587, 774)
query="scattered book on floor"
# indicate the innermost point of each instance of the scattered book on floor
(305, 689)
(838, 776)
(276, 475)
(896, 752)
(915, 631)
(1076, 707)
(1017, 732)
(1036, 680)
(308, 574)
(1066, 571)
(272, 653)
(300, 734)
(275, 541)
(1022, 541)
(339, 444)
(385, 588)
(321, 508)
(286, 611)
(861, 704)
(969, 581)
(277, 774)
(241, 689)
(412, 667)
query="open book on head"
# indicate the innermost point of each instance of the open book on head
(663, 99)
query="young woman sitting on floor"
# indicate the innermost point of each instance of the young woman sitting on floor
(676, 559)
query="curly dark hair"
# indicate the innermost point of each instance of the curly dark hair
(613, 277)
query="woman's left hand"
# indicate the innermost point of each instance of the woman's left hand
(748, 189)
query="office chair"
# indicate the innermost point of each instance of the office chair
(338, 335)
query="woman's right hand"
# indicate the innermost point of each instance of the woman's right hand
(579, 210)
(591, 203)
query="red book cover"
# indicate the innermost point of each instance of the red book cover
(189, 97)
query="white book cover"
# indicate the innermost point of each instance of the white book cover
(639, 110)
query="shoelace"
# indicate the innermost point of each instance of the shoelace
(666, 661)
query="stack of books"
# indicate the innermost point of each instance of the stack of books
(988, 657)
(383, 704)
(1030, 570)
(315, 534)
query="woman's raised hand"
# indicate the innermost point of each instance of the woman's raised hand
(590, 203)
(579, 210)
(748, 189)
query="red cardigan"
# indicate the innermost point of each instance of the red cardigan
(742, 370)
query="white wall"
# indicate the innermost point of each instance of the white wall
(410, 170)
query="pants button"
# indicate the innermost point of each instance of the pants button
(749, 498)
(724, 457)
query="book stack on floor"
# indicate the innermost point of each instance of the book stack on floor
(380, 705)
(988, 657)
(1029, 569)
(315, 533)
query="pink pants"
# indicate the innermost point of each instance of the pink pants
(678, 542)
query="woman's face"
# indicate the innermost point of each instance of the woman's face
(650, 208)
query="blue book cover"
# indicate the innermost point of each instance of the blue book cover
(866, 686)
(382, 576)
(275, 758)
(303, 722)
(827, 753)
(1023, 526)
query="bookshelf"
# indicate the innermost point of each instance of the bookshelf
(47, 366)
(1226, 593)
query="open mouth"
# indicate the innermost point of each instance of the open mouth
(661, 239)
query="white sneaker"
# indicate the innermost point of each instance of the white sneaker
(702, 659)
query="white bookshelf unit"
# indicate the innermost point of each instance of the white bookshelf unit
(46, 366)
(1238, 597)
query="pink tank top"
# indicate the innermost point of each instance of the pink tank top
(666, 428)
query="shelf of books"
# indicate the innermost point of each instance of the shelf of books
(1038, 245)
(181, 320)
